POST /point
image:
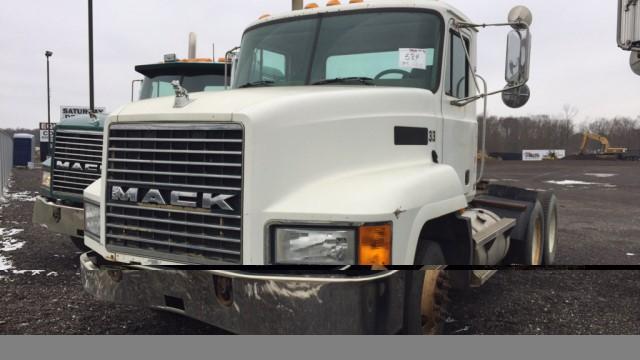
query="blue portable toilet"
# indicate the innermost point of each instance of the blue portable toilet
(22, 149)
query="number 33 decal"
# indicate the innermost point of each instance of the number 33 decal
(432, 136)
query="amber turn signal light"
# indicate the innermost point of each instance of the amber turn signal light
(375, 245)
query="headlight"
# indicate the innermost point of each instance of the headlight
(46, 178)
(92, 219)
(315, 246)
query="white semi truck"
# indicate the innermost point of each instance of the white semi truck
(348, 141)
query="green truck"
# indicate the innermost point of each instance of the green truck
(77, 144)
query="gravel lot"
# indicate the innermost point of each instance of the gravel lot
(600, 223)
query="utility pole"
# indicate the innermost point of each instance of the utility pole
(48, 55)
(91, 102)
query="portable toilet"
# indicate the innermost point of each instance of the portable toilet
(22, 149)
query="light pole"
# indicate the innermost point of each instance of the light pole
(91, 104)
(48, 55)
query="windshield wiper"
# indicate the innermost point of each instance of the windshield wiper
(257, 83)
(362, 80)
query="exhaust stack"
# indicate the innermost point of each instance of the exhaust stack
(192, 45)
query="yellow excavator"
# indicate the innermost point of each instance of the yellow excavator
(606, 148)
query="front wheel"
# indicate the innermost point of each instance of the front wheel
(427, 293)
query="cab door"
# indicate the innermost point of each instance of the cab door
(460, 125)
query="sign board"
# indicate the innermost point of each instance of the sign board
(539, 155)
(71, 111)
(44, 131)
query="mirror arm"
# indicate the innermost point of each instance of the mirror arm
(466, 25)
(470, 99)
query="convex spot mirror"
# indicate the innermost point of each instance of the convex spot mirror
(629, 24)
(516, 97)
(518, 56)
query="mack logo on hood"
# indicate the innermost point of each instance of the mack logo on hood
(78, 166)
(176, 198)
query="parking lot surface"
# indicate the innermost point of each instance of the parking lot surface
(40, 290)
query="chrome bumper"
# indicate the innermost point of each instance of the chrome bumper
(254, 302)
(61, 219)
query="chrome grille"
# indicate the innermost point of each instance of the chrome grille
(197, 160)
(77, 160)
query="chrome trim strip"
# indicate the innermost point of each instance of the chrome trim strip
(165, 232)
(66, 148)
(144, 172)
(170, 244)
(168, 151)
(175, 211)
(75, 143)
(138, 161)
(70, 154)
(178, 140)
(184, 223)
(82, 132)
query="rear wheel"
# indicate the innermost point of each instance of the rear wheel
(549, 204)
(531, 251)
(427, 293)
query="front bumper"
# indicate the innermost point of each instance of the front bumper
(256, 302)
(67, 220)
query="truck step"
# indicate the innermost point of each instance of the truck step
(479, 277)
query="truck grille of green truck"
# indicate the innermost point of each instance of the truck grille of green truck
(174, 192)
(77, 159)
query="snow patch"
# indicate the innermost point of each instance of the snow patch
(631, 254)
(27, 196)
(599, 175)
(571, 182)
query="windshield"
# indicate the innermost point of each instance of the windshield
(386, 48)
(161, 85)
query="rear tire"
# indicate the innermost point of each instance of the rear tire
(426, 296)
(531, 251)
(549, 203)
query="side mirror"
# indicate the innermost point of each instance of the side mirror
(629, 24)
(516, 97)
(518, 57)
(635, 62)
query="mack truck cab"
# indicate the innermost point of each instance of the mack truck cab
(347, 143)
(77, 156)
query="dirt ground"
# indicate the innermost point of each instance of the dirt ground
(40, 290)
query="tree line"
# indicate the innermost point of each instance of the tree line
(514, 134)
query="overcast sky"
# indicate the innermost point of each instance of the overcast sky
(575, 58)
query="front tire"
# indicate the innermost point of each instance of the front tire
(427, 291)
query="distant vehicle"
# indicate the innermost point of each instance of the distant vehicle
(77, 154)
(606, 148)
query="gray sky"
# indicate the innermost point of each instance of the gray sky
(575, 58)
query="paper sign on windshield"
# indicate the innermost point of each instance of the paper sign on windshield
(415, 58)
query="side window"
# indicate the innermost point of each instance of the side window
(161, 88)
(458, 73)
(268, 65)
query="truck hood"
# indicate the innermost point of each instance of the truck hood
(220, 106)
